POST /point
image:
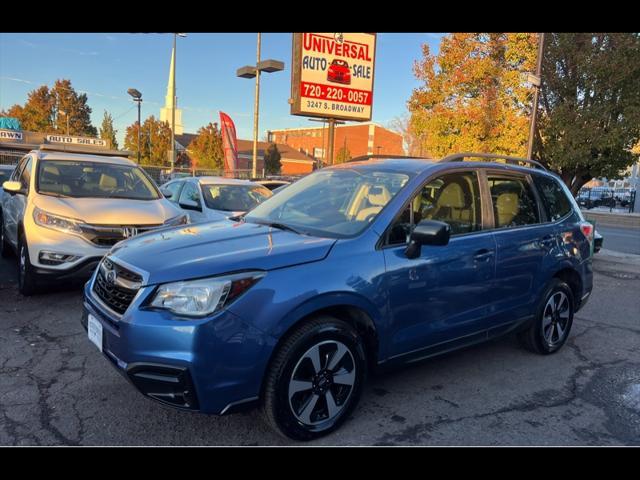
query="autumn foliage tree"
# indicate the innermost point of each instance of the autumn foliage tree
(589, 111)
(107, 131)
(43, 109)
(344, 155)
(474, 95)
(155, 141)
(272, 165)
(206, 149)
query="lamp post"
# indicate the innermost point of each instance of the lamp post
(137, 97)
(536, 81)
(63, 112)
(249, 71)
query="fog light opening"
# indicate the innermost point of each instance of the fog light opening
(55, 258)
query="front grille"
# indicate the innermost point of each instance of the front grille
(115, 296)
(109, 235)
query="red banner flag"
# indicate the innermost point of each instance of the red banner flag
(230, 143)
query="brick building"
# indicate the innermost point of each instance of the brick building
(292, 161)
(360, 139)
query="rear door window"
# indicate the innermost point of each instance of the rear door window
(553, 197)
(514, 203)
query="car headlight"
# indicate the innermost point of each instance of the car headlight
(198, 298)
(56, 222)
(179, 220)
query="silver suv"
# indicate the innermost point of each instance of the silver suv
(62, 212)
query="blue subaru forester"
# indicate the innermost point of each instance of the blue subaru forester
(364, 264)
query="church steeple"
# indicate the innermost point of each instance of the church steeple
(165, 112)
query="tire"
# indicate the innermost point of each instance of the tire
(302, 413)
(550, 329)
(27, 278)
(5, 248)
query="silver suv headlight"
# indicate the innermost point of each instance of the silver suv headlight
(198, 298)
(56, 222)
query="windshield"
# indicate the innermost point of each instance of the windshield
(234, 198)
(94, 179)
(332, 203)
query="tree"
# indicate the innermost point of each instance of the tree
(206, 149)
(410, 140)
(589, 105)
(475, 96)
(107, 132)
(43, 109)
(344, 155)
(155, 141)
(272, 157)
(76, 111)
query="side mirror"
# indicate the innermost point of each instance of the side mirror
(165, 192)
(12, 187)
(189, 204)
(427, 232)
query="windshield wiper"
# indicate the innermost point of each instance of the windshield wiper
(280, 226)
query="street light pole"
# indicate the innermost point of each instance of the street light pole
(173, 107)
(256, 111)
(537, 83)
(137, 97)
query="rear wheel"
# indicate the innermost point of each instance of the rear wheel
(550, 329)
(315, 380)
(27, 278)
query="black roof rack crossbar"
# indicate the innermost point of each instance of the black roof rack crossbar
(459, 157)
(369, 157)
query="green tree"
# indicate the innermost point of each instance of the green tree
(107, 132)
(589, 108)
(206, 149)
(272, 157)
(344, 155)
(155, 141)
(76, 110)
(474, 95)
(37, 113)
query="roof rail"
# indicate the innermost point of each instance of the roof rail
(86, 149)
(459, 157)
(369, 157)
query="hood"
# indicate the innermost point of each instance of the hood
(109, 211)
(215, 248)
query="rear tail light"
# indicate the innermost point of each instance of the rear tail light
(588, 230)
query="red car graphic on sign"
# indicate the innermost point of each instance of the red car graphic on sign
(339, 72)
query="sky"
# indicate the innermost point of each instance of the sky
(105, 65)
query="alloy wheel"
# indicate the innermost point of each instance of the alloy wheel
(555, 318)
(322, 382)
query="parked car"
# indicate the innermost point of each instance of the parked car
(63, 211)
(214, 198)
(338, 72)
(5, 173)
(273, 184)
(279, 189)
(598, 241)
(357, 266)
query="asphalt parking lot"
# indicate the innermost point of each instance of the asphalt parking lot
(56, 389)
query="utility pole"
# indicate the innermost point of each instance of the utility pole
(256, 111)
(175, 104)
(332, 127)
(537, 82)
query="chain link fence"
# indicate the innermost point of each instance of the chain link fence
(162, 174)
(10, 157)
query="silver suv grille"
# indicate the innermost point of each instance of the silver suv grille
(109, 235)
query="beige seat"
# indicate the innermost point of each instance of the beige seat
(107, 182)
(377, 197)
(506, 208)
(451, 204)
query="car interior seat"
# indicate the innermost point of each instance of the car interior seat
(506, 206)
(51, 180)
(453, 206)
(107, 182)
(377, 197)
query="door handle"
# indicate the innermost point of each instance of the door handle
(484, 254)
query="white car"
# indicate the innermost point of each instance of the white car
(214, 198)
(62, 212)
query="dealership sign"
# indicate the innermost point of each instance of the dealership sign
(76, 140)
(332, 75)
(10, 135)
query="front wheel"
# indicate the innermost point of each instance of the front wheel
(550, 329)
(27, 278)
(315, 379)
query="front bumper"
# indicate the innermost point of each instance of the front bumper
(208, 365)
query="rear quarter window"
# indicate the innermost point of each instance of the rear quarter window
(554, 199)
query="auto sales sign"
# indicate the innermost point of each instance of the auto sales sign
(332, 75)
